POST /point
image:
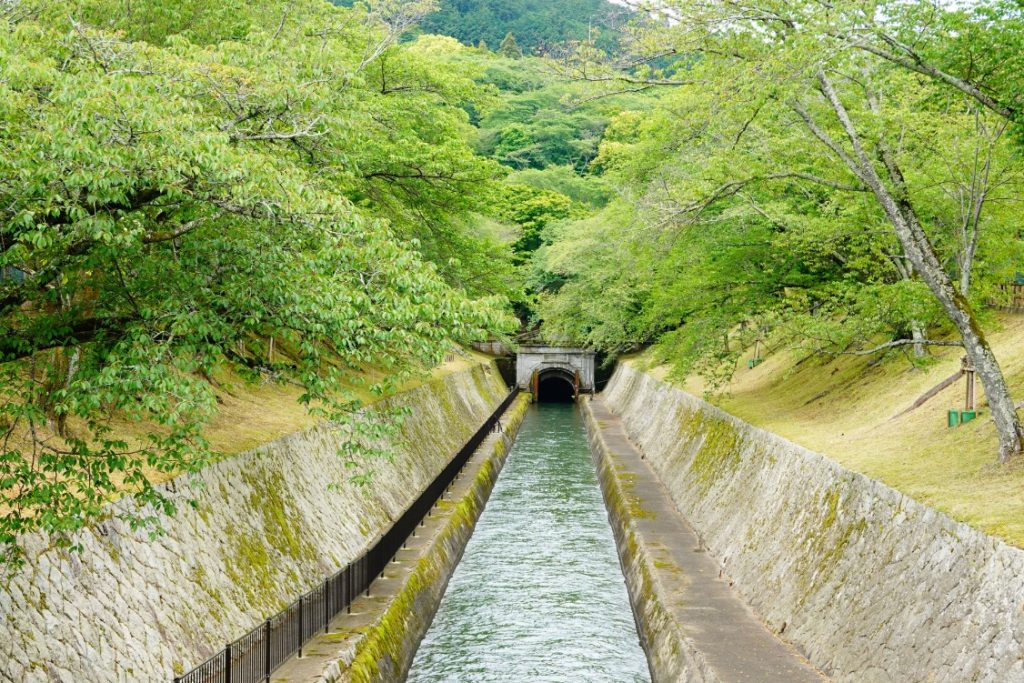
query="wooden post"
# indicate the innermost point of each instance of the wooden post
(757, 349)
(970, 398)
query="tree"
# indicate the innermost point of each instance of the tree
(177, 208)
(769, 66)
(532, 210)
(509, 48)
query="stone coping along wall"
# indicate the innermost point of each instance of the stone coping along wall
(870, 585)
(266, 527)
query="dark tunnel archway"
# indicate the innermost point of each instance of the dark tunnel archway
(556, 385)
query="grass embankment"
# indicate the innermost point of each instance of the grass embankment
(253, 413)
(250, 414)
(848, 408)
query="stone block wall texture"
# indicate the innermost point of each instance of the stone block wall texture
(870, 585)
(266, 528)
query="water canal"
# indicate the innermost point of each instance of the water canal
(539, 595)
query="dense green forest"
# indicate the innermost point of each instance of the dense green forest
(539, 27)
(297, 191)
(522, 27)
(845, 177)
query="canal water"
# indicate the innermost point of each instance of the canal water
(539, 596)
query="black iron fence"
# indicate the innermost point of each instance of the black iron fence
(257, 654)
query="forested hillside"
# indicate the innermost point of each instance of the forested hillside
(538, 26)
(835, 179)
(304, 195)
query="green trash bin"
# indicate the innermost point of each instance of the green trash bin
(954, 418)
(967, 415)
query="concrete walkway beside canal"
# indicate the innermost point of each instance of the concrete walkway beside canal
(695, 626)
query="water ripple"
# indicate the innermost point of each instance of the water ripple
(538, 596)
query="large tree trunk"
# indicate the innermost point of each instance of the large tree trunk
(922, 256)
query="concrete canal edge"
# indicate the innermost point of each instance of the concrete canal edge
(692, 624)
(378, 642)
(870, 585)
(667, 652)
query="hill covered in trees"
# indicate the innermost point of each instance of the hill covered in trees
(538, 25)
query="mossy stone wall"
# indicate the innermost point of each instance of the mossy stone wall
(265, 527)
(870, 585)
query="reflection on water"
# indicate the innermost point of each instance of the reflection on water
(538, 596)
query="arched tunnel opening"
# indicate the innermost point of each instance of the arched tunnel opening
(555, 388)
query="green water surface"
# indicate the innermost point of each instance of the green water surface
(539, 595)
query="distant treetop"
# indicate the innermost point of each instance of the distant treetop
(509, 47)
(537, 25)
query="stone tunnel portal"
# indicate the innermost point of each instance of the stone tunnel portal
(555, 373)
(555, 385)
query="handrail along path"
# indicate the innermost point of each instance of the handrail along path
(256, 655)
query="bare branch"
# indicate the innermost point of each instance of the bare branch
(898, 343)
(827, 139)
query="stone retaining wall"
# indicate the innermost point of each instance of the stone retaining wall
(265, 528)
(868, 584)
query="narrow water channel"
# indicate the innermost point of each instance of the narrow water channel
(539, 595)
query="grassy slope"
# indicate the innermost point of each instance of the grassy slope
(847, 409)
(250, 414)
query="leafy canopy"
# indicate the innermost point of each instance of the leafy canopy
(191, 186)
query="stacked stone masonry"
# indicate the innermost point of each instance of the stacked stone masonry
(265, 528)
(870, 585)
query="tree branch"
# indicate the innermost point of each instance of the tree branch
(916, 63)
(897, 343)
(18, 344)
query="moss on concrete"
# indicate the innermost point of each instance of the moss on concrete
(718, 454)
(659, 638)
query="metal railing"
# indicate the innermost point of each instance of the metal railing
(256, 655)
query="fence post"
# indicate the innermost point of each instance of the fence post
(302, 599)
(266, 652)
(327, 604)
(227, 663)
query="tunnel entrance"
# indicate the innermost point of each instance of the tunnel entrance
(555, 389)
(537, 362)
(556, 385)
